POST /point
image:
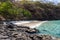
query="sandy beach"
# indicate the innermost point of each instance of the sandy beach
(31, 24)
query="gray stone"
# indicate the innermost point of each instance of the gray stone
(13, 32)
(3, 37)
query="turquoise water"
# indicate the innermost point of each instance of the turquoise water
(50, 27)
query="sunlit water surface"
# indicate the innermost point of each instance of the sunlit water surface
(50, 27)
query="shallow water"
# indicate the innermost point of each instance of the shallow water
(50, 27)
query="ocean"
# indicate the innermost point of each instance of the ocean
(50, 28)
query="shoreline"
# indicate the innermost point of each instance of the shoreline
(37, 25)
(34, 24)
(31, 24)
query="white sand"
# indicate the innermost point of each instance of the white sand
(31, 24)
(37, 24)
(21, 22)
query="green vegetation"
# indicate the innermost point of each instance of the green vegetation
(11, 11)
(29, 10)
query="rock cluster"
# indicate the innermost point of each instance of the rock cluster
(12, 32)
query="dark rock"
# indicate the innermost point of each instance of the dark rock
(23, 27)
(10, 25)
(32, 31)
(12, 32)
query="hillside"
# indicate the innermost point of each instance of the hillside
(29, 11)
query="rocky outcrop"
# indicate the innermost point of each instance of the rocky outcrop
(13, 32)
